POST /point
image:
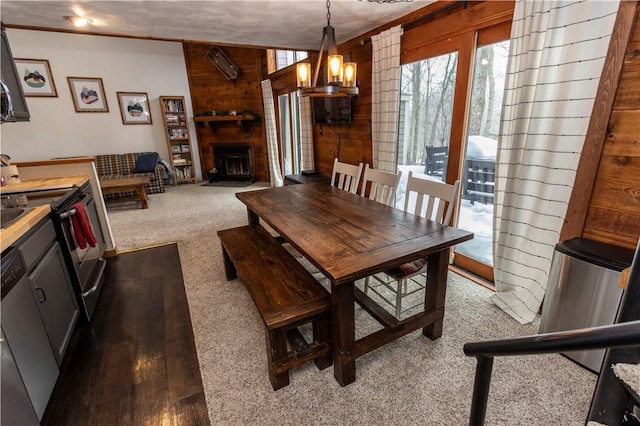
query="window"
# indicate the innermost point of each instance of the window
(447, 83)
(289, 124)
(279, 59)
(426, 105)
(478, 171)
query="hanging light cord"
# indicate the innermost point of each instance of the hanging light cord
(339, 134)
(328, 13)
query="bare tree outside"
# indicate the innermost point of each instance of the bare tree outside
(427, 93)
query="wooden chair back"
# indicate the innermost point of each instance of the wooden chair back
(383, 185)
(346, 176)
(433, 200)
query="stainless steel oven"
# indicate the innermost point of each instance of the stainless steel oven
(85, 265)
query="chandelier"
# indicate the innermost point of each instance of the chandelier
(341, 77)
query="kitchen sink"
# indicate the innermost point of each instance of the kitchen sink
(9, 216)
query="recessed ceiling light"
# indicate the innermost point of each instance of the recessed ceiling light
(79, 21)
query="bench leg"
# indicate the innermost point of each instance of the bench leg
(229, 268)
(321, 334)
(276, 350)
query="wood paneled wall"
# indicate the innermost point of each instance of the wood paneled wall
(613, 215)
(613, 212)
(420, 31)
(210, 90)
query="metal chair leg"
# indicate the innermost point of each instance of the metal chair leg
(399, 299)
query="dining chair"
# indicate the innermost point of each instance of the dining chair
(434, 200)
(346, 176)
(383, 185)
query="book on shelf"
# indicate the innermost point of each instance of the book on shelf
(184, 173)
(179, 133)
(173, 105)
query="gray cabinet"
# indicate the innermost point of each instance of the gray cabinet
(16, 404)
(51, 285)
(27, 338)
(38, 315)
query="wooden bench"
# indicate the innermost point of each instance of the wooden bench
(286, 296)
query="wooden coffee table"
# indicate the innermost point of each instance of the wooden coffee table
(137, 183)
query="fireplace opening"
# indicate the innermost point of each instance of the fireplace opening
(234, 162)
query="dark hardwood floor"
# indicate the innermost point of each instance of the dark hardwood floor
(136, 362)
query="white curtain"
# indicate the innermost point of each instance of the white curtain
(385, 95)
(307, 161)
(556, 56)
(272, 135)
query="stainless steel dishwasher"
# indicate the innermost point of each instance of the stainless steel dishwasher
(584, 291)
(25, 346)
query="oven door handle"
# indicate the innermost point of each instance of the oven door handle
(68, 214)
(102, 265)
(86, 199)
(91, 290)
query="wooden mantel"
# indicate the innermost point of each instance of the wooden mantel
(241, 120)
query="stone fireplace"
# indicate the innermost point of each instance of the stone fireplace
(234, 161)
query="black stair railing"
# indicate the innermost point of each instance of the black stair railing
(608, 336)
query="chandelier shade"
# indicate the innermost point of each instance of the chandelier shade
(341, 79)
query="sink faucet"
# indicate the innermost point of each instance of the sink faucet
(9, 201)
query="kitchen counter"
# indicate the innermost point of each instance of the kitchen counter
(18, 228)
(44, 184)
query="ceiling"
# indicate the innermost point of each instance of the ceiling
(289, 24)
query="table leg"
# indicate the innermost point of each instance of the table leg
(253, 218)
(342, 309)
(142, 194)
(437, 268)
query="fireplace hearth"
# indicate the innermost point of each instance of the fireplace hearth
(234, 162)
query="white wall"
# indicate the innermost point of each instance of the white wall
(124, 65)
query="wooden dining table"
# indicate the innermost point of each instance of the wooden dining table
(349, 237)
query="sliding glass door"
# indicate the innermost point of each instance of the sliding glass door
(479, 162)
(426, 106)
(289, 128)
(448, 129)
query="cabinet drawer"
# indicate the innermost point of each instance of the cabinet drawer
(37, 242)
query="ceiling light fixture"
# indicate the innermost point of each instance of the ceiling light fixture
(341, 77)
(78, 21)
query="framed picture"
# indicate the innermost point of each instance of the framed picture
(134, 107)
(35, 77)
(88, 94)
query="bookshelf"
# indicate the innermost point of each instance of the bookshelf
(176, 130)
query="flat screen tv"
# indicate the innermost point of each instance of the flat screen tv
(332, 110)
